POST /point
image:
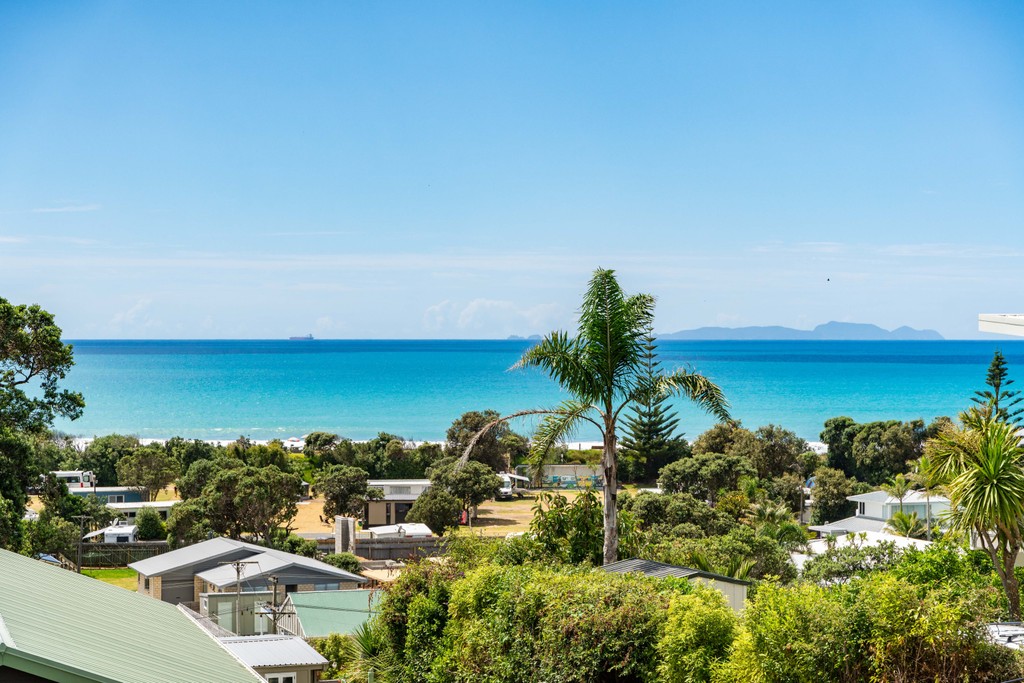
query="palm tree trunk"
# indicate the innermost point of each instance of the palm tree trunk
(611, 513)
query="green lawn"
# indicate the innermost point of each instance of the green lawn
(122, 578)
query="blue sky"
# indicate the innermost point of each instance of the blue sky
(247, 170)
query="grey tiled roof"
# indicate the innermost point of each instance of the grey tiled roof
(661, 570)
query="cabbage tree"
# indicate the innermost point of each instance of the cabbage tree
(983, 464)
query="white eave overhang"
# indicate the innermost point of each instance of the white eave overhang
(1002, 323)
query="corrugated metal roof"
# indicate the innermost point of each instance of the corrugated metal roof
(268, 558)
(406, 528)
(155, 504)
(258, 651)
(322, 613)
(850, 525)
(270, 562)
(42, 610)
(661, 570)
(189, 555)
(909, 498)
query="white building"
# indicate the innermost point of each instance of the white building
(130, 510)
(399, 495)
(1002, 323)
(876, 508)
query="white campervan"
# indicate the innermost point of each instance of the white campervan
(512, 485)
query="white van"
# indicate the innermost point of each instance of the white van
(512, 485)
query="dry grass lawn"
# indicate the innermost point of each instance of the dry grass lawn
(496, 517)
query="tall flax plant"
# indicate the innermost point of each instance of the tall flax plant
(603, 368)
(983, 465)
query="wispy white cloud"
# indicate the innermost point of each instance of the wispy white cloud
(491, 316)
(69, 208)
(4, 239)
(134, 317)
(941, 250)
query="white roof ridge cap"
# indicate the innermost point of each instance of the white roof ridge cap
(186, 612)
(5, 636)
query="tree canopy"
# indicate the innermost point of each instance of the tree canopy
(345, 491)
(33, 361)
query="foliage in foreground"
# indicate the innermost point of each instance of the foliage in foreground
(480, 616)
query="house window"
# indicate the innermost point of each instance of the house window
(145, 584)
(281, 678)
(119, 498)
(860, 508)
(325, 586)
(401, 490)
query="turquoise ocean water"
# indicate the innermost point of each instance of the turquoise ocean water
(279, 389)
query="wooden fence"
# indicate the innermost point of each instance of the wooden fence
(120, 554)
(399, 548)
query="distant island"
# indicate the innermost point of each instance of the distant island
(828, 331)
(516, 337)
(305, 337)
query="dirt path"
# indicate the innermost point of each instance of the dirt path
(496, 517)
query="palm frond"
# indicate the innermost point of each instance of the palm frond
(696, 387)
(560, 357)
(557, 425)
(464, 458)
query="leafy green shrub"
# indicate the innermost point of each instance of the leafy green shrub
(527, 624)
(436, 508)
(346, 561)
(846, 562)
(149, 526)
(698, 635)
(878, 628)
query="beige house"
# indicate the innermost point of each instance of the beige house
(399, 495)
(218, 565)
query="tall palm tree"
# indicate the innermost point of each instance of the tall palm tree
(898, 487)
(604, 371)
(984, 463)
(922, 474)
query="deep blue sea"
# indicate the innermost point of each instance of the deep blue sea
(280, 389)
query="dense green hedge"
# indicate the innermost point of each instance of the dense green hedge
(442, 623)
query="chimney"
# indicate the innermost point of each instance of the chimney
(344, 534)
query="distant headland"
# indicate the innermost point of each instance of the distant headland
(827, 331)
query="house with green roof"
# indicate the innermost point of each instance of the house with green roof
(317, 614)
(56, 625)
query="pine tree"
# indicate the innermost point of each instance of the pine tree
(999, 401)
(649, 441)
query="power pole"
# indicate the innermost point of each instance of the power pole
(273, 606)
(237, 564)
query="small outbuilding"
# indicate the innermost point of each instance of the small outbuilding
(279, 659)
(734, 590)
